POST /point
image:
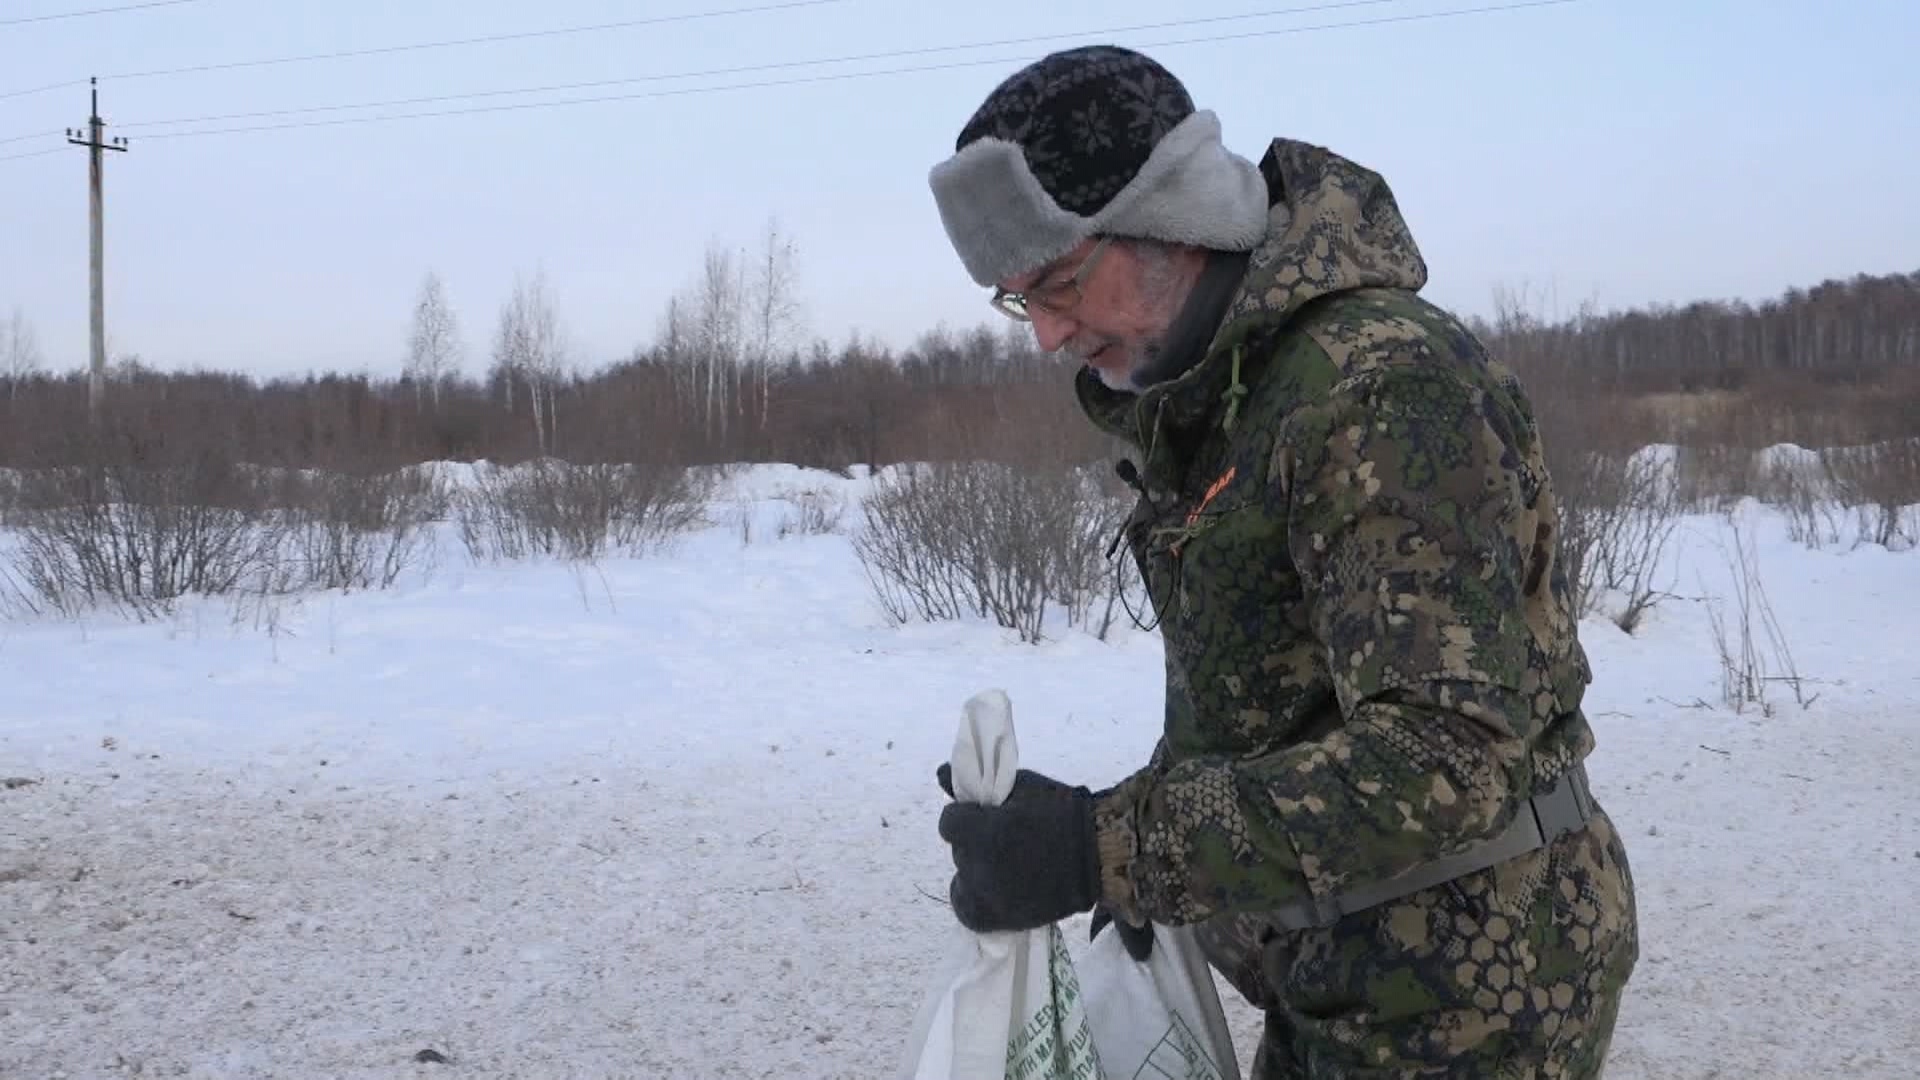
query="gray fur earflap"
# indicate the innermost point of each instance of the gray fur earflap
(1190, 190)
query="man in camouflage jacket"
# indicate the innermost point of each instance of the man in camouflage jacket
(1369, 798)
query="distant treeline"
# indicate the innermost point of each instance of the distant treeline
(723, 382)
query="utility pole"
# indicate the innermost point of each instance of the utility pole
(92, 139)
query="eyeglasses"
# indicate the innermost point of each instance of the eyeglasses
(1055, 299)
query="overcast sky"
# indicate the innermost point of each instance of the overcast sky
(1619, 151)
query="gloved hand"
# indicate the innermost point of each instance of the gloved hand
(1023, 864)
(1137, 939)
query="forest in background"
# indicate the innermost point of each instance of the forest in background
(220, 483)
(728, 379)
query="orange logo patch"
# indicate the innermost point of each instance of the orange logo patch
(1212, 490)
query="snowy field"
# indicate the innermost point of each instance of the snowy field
(674, 817)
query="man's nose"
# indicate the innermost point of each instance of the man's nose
(1049, 330)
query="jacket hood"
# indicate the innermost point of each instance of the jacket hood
(1332, 227)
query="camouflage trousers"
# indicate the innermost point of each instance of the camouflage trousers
(1513, 973)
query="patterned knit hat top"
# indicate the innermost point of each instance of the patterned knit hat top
(1094, 140)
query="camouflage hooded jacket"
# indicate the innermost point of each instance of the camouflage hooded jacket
(1347, 532)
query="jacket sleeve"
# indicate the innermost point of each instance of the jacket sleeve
(1414, 525)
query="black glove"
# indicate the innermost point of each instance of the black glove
(1023, 864)
(1137, 939)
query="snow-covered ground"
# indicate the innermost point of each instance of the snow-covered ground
(674, 817)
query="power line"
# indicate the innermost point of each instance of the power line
(758, 68)
(804, 80)
(33, 154)
(847, 75)
(418, 46)
(24, 138)
(94, 11)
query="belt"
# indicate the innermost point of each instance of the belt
(1560, 809)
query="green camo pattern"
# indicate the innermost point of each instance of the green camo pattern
(1347, 535)
(1515, 973)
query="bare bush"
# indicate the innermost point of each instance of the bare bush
(1802, 492)
(355, 530)
(1000, 541)
(1882, 484)
(745, 509)
(911, 549)
(814, 513)
(1098, 576)
(1617, 501)
(17, 600)
(1634, 526)
(1590, 488)
(576, 512)
(140, 536)
(1617, 515)
(1746, 667)
(1714, 477)
(9, 497)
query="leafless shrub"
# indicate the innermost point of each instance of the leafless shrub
(1633, 529)
(745, 509)
(139, 536)
(1747, 667)
(814, 513)
(552, 508)
(349, 530)
(1617, 501)
(267, 603)
(1008, 542)
(16, 599)
(1100, 572)
(912, 551)
(9, 498)
(1714, 477)
(1802, 493)
(1590, 488)
(1882, 484)
(1617, 515)
(494, 523)
(658, 504)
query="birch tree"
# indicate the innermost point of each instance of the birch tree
(775, 303)
(724, 331)
(433, 345)
(529, 346)
(20, 357)
(718, 332)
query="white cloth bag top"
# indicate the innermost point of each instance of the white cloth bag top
(1011, 1006)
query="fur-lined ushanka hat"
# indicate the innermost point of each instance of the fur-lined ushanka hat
(1095, 140)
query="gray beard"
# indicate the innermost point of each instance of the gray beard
(1156, 367)
(1184, 344)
